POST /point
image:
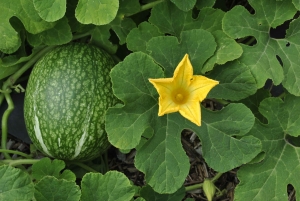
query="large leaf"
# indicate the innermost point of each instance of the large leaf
(15, 184)
(161, 157)
(261, 58)
(25, 11)
(268, 179)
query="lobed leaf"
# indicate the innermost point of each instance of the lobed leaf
(24, 10)
(261, 58)
(236, 82)
(280, 165)
(46, 167)
(168, 51)
(138, 37)
(15, 184)
(113, 186)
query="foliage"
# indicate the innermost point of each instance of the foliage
(228, 41)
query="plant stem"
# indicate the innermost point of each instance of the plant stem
(19, 162)
(75, 37)
(84, 166)
(12, 79)
(4, 122)
(196, 186)
(15, 152)
(147, 6)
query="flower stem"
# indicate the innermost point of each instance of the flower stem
(15, 152)
(196, 186)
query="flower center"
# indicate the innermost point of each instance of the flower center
(180, 96)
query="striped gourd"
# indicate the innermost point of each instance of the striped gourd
(67, 95)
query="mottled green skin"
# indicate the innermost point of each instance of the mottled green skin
(68, 93)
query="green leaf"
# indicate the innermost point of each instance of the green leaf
(253, 102)
(268, 179)
(122, 27)
(50, 10)
(222, 135)
(58, 35)
(138, 91)
(100, 37)
(236, 82)
(15, 184)
(205, 3)
(162, 157)
(184, 5)
(261, 58)
(227, 50)
(138, 37)
(128, 7)
(149, 194)
(174, 20)
(296, 4)
(98, 12)
(168, 51)
(113, 186)
(46, 167)
(25, 11)
(50, 188)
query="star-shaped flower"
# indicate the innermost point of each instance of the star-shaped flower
(183, 92)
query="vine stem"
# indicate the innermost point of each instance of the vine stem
(196, 186)
(15, 152)
(147, 6)
(19, 162)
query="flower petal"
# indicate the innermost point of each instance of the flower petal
(200, 87)
(183, 72)
(166, 105)
(191, 111)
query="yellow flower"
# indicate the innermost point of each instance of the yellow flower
(183, 92)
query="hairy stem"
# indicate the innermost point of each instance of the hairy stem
(147, 7)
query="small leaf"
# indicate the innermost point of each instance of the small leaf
(50, 188)
(128, 7)
(184, 5)
(235, 82)
(50, 10)
(261, 58)
(149, 194)
(46, 167)
(98, 12)
(100, 37)
(113, 186)
(15, 184)
(207, 3)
